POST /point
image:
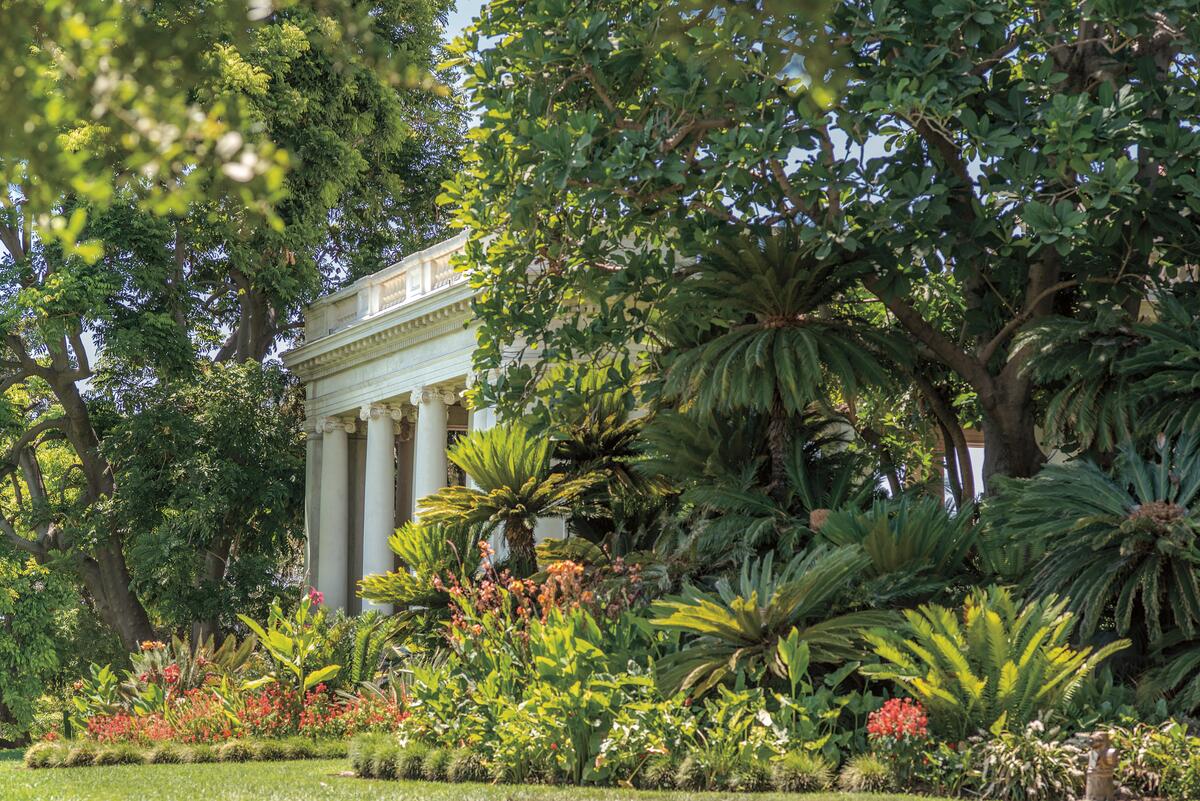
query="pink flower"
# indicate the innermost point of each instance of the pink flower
(316, 597)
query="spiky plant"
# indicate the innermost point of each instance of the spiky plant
(515, 483)
(915, 544)
(1168, 366)
(737, 628)
(771, 341)
(1121, 542)
(1175, 676)
(719, 465)
(998, 667)
(427, 550)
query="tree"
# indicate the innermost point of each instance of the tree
(994, 164)
(514, 484)
(164, 290)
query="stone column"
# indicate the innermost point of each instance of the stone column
(379, 493)
(429, 456)
(334, 546)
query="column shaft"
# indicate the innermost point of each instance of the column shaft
(379, 493)
(429, 456)
(334, 546)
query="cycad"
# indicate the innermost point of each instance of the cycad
(773, 342)
(915, 545)
(1000, 667)
(1168, 367)
(736, 629)
(427, 551)
(1122, 543)
(515, 484)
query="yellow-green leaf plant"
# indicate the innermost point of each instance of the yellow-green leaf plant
(995, 666)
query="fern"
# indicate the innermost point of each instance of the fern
(1000, 667)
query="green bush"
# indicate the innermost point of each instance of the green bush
(435, 765)
(657, 774)
(200, 753)
(410, 760)
(466, 766)
(751, 778)
(299, 748)
(1159, 761)
(998, 664)
(1028, 766)
(235, 751)
(691, 775)
(801, 772)
(330, 749)
(80, 754)
(362, 753)
(120, 754)
(166, 754)
(383, 758)
(271, 750)
(44, 755)
(866, 773)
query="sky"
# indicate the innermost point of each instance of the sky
(461, 16)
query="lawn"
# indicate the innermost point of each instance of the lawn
(297, 781)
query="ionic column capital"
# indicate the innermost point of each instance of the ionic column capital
(422, 395)
(375, 411)
(329, 424)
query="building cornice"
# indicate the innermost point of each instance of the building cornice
(396, 328)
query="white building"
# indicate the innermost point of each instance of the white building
(384, 364)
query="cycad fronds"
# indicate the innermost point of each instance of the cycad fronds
(1000, 667)
(1168, 367)
(915, 545)
(1175, 677)
(426, 550)
(1121, 543)
(515, 484)
(737, 628)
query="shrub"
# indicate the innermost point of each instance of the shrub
(80, 755)
(866, 773)
(330, 749)
(751, 778)
(299, 748)
(410, 760)
(1028, 766)
(235, 751)
(898, 731)
(200, 754)
(1159, 761)
(691, 775)
(119, 754)
(383, 758)
(362, 754)
(466, 766)
(801, 772)
(271, 750)
(45, 755)
(435, 765)
(657, 774)
(166, 754)
(1002, 666)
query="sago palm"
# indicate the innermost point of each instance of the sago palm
(1122, 544)
(737, 628)
(915, 545)
(515, 484)
(772, 341)
(426, 551)
(997, 666)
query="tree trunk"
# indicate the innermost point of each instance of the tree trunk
(1010, 447)
(777, 442)
(522, 555)
(216, 558)
(106, 577)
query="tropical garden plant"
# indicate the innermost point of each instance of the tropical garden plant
(996, 667)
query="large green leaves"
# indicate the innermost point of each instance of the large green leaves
(736, 629)
(1122, 544)
(426, 551)
(999, 667)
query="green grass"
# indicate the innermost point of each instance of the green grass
(300, 781)
(303, 781)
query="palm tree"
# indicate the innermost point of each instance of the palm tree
(771, 341)
(515, 484)
(1123, 544)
